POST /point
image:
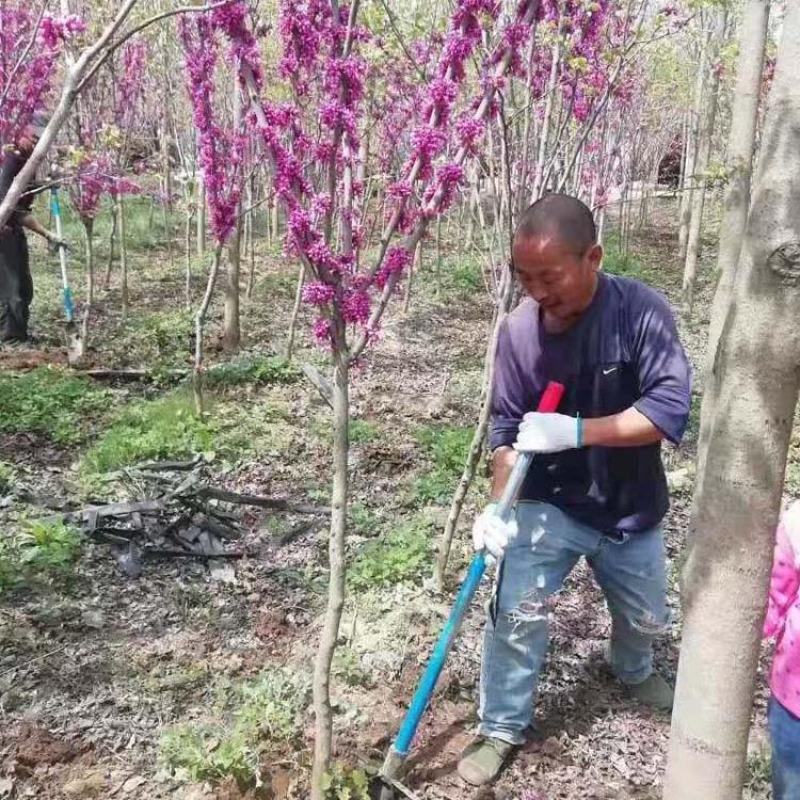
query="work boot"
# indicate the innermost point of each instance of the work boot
(483, 759)
(653, 691)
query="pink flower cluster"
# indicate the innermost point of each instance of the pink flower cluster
(27, 89)
(221, 149)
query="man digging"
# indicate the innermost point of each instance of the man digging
(599, 489)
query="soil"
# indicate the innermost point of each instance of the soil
(94, 669)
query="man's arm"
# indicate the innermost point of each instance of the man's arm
(629, 428)
(503, 459)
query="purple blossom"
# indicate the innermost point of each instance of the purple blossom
(318, 293)
(396, 261)
(356, 306)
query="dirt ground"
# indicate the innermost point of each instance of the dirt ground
(94, 669)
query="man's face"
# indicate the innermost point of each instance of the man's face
(560, 280)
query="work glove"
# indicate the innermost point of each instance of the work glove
(549, 433)
(492, 534)
(54, 243)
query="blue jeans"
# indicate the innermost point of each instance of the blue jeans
(784, 731)
(630, 571)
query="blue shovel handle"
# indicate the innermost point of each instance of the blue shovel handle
(402, 744)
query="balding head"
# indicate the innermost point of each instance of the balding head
(559, 217)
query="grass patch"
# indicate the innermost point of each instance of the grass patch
(256, 715)
(625, 264)
(460, 276)
(401, 556)
(447, 447)
(40, 550)
(255, 370)
(7, 477)
(759, 771)
(342, 783)
(362, 432)
(148, 430)
(50, 402)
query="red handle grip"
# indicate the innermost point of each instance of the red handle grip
(551, 397)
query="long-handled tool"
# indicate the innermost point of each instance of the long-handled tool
(402, 744)
(74, 339)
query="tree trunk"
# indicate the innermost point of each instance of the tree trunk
(693, 131)
(298, 299)
(123, 256)
(322, 668)
(476, 446)
(88, 234)
(741, 146)
(111, 240)
(188, 249)
(232, 334)
(701, 167)
(415, 267)
(538, 186)
(199, 328)
(201, 215)
(738, 492)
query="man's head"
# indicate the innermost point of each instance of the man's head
(556, 255)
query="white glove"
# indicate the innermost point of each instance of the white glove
(492, 534)
(549, 433)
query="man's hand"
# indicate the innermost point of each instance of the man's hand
(55, 243)
(492, 534)
(548, 433)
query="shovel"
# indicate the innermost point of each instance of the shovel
(395, 758)
(74, 340)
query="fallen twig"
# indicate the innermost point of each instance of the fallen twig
(169, 551)
(277, 503)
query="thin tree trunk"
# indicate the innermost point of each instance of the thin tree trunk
(123, 256)
(415, 267)
(111, 240)
(741, 146)
(298, 299)
(538, 186)
(476, 446)
(88, 235)
(188, 249)
(685, 213)
(323, 745)
(232, 333)
(201, 215)
(199, 330)
(738, 493)
(701, 167)
(275, 220)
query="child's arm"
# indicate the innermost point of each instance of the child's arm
(785, 581)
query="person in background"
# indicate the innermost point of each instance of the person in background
(16, 282)
(783, 624)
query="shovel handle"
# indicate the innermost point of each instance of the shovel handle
(402, 744)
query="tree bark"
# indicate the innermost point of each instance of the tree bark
(693, 131)
(323, 743)
(199, 329)
(738, 492)
(201, 214)
(123, 256)
(741, 146)
(701, 167)
(88, 233)
(476, 446)
(298, 300)
(111, 241)
(232, 332)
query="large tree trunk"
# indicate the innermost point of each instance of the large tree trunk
(738, 493)
(701, 167)
(323, 746)
(741, 146)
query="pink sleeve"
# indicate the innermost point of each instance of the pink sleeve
(784, 582)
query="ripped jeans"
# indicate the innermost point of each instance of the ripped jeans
(631, 572)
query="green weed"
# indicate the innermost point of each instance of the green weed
(626, 264)
(160, 336)
(447, 448)
(759, 770)
(49, 401)
(38, 550)
(7, 477)
(256, 715)
(460, 276)
(257, 370)
(347, 667)
(343, 783)
(363, 520)
(400, 556)
(362, 432)
(150, 429)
